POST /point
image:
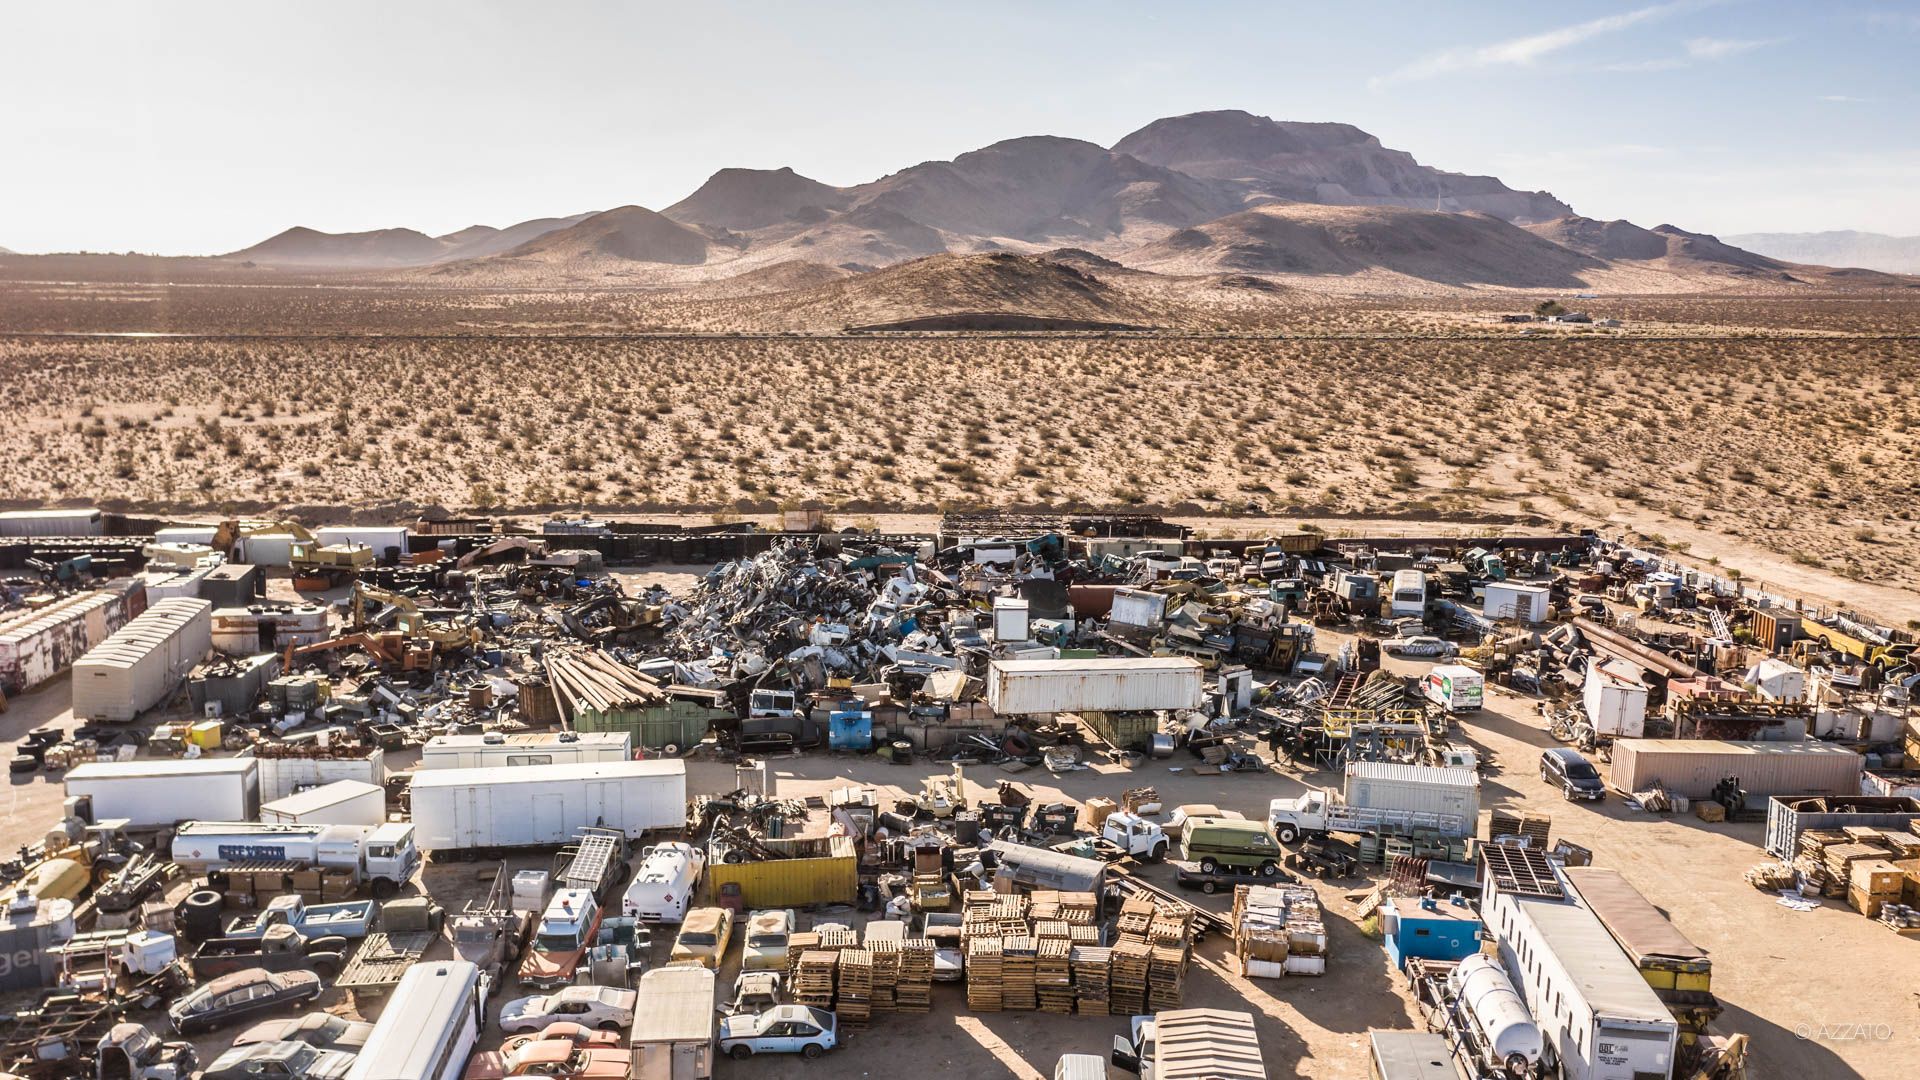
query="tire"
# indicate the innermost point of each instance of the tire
(1208, 866)
(1269, 869)
(23, 763)
(1288, 834)
(811, 1051)
(384, 888)
(326, 969)
(1158, 853)
(1209, 887)
(740, 1051)
(1568, 790)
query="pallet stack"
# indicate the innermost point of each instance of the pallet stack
(813, 978)
(796, 945)
(1017, 956)
(1089, 964)
(1166, 970)
(1127, 977)
(1535, 827)
(914, 988)
(983, 974)
(1079, 908)
(1053, 975)
(886, 971)
(853, 998)
(1135, 918)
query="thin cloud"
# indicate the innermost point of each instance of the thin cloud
(1706, 48)
(1842, 99)
(1524, 51)
(1665, 63)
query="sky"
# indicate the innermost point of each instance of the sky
(201, 127)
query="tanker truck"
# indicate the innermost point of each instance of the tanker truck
(1493, 1021)
(380, 858)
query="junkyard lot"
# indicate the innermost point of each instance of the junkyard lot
(1831, 973)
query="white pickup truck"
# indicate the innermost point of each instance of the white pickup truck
(1321, 811)
(1135, 835)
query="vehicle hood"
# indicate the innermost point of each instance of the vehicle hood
(549, 965)
(526, 1006)
(738, 1027)
(330, 1065)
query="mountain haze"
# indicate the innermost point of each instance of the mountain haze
(1873, 251)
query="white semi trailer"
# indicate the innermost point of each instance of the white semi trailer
(485, 810)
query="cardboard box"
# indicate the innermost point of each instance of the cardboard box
(1864, 904)
(1877, 878)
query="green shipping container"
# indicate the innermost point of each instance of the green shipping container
(676, 723)
(833, 878)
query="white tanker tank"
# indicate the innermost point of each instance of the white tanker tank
(1504, 1029)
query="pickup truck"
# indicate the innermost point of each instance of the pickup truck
(408, 928)
(351, 919)
(281, 948)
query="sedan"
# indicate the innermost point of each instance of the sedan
(608, 1008)
(566, 1031)
(703, 937)
(279, 1061)
(551, 1057)
(766, 944)
(789, 1029)
(1419, 645)
(322, 1031)
(238, 995)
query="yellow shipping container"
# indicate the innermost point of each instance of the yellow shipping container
(829, 878)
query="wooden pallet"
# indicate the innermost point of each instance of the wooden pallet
(1053, 975)
(914, 988)
(1089, 964)
(984, 974)
(1127, 977)
(813, 979)
(1017, 974)
(853, 995)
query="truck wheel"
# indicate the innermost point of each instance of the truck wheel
(1288, 834)
(1208, 866)
(740, 1052)
(326, 969)
(810, 1051)
(1158, 853)
(384, 888)
(1268, 869)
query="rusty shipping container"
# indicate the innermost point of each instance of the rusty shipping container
(39, 644)
(831, 876)
(1691, 767)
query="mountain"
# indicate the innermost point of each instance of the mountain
(746, 199)
(628, 233)
(1873, 251)
(1602, 239)
(1336, 164)
(379, 249)
(478, 241)
(5, 251)
(1295, 238)
(989, 291)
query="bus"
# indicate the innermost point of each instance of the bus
(1409, 594)
(429, 1026)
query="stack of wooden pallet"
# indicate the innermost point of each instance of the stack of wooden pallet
(983, 974)
(1535, 827)
(1079, 908)
(835, 940)
(1051, 928)
(1044, 904)
(1166, 971)
(1083, 933)
(1170, 927)
(853, 998)
(1053, 975)
(1127, 977)
(1089, 964)
(914, 987)
(813, 979)
(1016, 974)
(1811, 861)
(1838, 862)
(1136, 915)
(886, 970)
(797, 944)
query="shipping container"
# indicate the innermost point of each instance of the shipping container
(1787, 818)
(822, 870)
(1508, 600)
(289, 767)
(389, 542)
(143, 663)
(1775, 629)
(1124, 730)
(233, 585)
(496, 749)
(1615, 700)
(670, 726)
(38, 644)
(1777, 680)
(1691, 767)
(1424, 789)
(79, 522)
(1680, 972)
(186, 534)
(343, 802)
(1127, 684)
(545, 805)
(157, 792)
(267, 549)
(672, 1034)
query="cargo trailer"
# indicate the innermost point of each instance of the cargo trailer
(150, 793)
(545, 805)
(77, 522)
(1691, 767)
(38, 644)
(343, 802)
(1615, 700)
(1680, 972)
(672, 1036)
(143, 663)
(295, 766)
(1125, 684)
(1510, 600)
(495, 749)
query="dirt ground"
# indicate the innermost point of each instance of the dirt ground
(1825, 993)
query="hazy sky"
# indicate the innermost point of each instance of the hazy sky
(190, 128)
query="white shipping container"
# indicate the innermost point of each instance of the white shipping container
(545, 805)
(37, 645)
(81, 522)
(1691, 767)
(1615, 701)
(343, 802)
(380, 538)
(150, 793)
(282, 776)
(1425, 789)
(143, 662)
(1507, 600)
(1126, 684)
(186, 534)
(496, 750)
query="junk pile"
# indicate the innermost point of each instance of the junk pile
(1278, 930)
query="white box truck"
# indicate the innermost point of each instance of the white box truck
(496, 749)
(1103, 684)
(1615, 700)
(1384, 798)
(1455, 687)
(545, 805)
(343, 802)
(151, 793)
(673, 1024)
(383, 857)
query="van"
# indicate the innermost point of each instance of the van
(664, 884)
(1454, 687)
(1216, 842)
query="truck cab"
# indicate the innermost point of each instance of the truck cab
(1135, 835)
(389, 858)
(1134, 1052)
(561, 939)
(1292, 818)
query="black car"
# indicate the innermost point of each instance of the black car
(241, 994)
(1220, 879)
(1576, 778)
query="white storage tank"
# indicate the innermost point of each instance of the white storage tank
(1498, 1013)
(343, 802)
(389, 542)
(143, 662)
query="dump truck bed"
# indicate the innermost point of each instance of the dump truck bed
(380, 960)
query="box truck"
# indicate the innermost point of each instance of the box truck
(380, 857)
(673, 1024)
(545, 805)
(151, 793)
(1615, 701)
(495, 749)
(1102, 684)
(1454, 687)
(1383, 798)
(343, 802)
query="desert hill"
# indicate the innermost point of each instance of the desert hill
(479, 241)
(1602, 239)
(301, 246)
(988, 291)
(633, 233)
(746, 199)
(1337, 164)
(1295, 238)
(1873, 251)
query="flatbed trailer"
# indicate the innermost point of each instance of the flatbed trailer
(381, 959)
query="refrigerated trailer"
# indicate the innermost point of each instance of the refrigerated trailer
(152, 792)
(545, 805)
(144, 662)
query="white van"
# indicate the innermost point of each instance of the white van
(663, 885)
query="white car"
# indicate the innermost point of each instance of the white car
(787, 1029)
(766, 944)
(1422, 645)
(608, 1008)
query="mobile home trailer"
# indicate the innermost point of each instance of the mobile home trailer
(545, 805)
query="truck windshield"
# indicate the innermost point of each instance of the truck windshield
(767, 941)
(698, 939)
